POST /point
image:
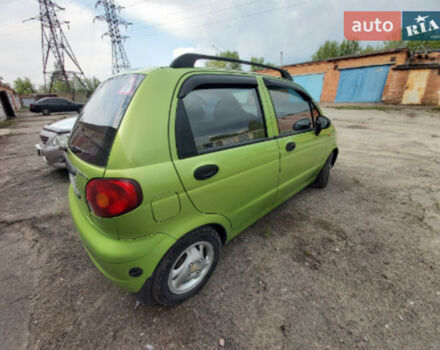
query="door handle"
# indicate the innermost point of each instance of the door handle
(290, 146)
(205, 171)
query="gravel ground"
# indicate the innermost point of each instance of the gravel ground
(353, 266)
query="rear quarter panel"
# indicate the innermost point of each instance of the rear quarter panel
(141, 152)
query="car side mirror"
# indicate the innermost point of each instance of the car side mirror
(321, 124)
(302, 124)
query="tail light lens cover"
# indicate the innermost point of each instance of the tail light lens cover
(113, 197)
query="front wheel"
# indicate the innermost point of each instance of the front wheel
(46, 111)
(186, 267)
(322, 178)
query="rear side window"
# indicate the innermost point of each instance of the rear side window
(94, 132)
(48, 101)
(214, 118)
(292, 110)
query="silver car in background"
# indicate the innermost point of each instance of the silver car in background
(54, 140)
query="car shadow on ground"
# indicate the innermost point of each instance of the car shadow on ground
(59, 174)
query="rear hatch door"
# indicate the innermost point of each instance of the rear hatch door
(92, 138)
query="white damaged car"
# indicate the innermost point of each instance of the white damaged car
(54, 141)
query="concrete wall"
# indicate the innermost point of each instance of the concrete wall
(26, 101)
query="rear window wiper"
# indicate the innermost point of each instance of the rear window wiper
(76, 149)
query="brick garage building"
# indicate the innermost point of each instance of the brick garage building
(390, 76)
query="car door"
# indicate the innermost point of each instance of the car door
(300, 155)
(42, 104)
(323, 140)
(63, 105)
(54, 104)
(224, 150)
(70, 106)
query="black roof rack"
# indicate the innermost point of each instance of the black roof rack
(188, 60)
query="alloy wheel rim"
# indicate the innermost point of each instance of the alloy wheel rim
(191, 267)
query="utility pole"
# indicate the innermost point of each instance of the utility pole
(54, 43)
(281, 58)
(111, 16)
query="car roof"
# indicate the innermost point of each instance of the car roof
(183, 71)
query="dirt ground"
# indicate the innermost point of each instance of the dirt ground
(353, 266)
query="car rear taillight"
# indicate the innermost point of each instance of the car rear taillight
(31, 105)
(113, 197)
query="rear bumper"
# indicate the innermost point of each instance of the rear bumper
(115, 258)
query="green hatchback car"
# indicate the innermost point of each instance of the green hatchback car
(169, 164)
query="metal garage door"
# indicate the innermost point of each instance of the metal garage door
(312, 83)
(362, 84)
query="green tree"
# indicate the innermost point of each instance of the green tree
(87, 86)
(327, 50)
(349, 47)
(259, 60)
(225, 65)
(370, 48)
(59, 85)
(414, 45)
(24, 86)
(332, 48)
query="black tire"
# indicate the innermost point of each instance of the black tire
(46, 111)
(321, 180)
(161, 290)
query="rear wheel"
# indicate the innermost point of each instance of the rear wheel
(323, 176)
(46, 111)
(186, 267)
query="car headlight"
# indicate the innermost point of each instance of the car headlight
(60, 140)
(63, 139)
(54, 140)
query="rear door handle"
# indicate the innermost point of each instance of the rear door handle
(290, 146)
(206, 171)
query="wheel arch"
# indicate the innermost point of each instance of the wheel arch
(219, 228)
(335, 155)
(221, 231)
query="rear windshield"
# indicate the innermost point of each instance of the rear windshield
(94, 132)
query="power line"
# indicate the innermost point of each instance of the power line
(137, 3)
(207, 13)
(232, 19)
(114, 21)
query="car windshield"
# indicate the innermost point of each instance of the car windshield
(93, 134)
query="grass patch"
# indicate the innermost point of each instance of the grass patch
(377, 108)
(436, 109)
(5, 124)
